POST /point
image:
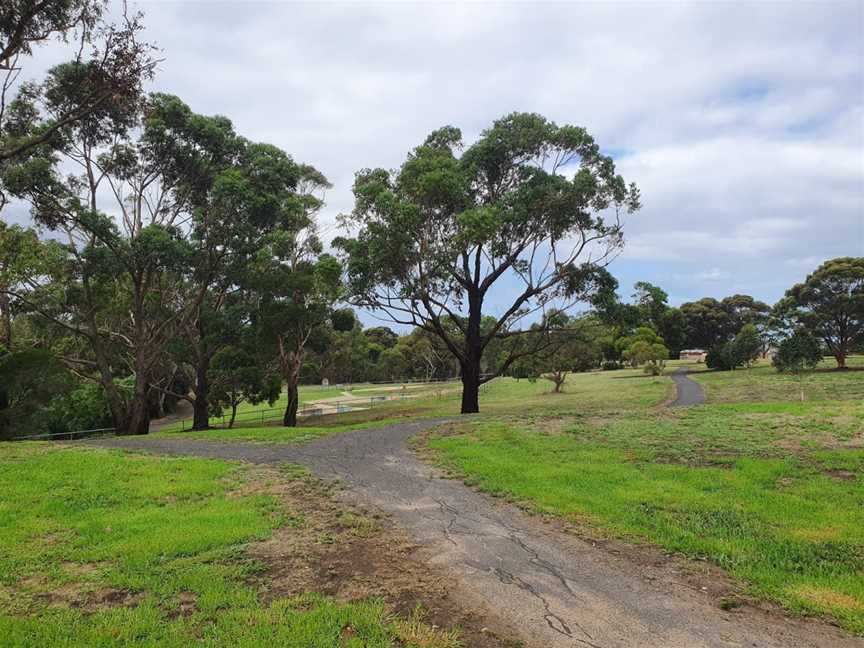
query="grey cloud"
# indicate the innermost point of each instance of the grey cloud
(742, 123)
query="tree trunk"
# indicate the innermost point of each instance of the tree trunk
(201, 406)
(840, 357)
(290, 418)
(473, 355)
(116, 402)
(559, 379)
(138, 417)
(233, 415)
(5, 322)
(471, 387)
(292, 378)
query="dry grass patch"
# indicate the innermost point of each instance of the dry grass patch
(353, 554)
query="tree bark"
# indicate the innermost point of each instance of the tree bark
(558, 378)
(471, 387)
(840, 357)
(473, 355)
(138, 417)
(292, 364)
(5, 321)
(233, 415)
(290, 418)
(201, 404)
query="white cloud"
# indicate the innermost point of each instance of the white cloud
(743, 124)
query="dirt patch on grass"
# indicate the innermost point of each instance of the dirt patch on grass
(828, 598)
(353, 554)
(841, 475)
(83, 593)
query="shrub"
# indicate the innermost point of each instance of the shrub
(798, 354)
(720, 357)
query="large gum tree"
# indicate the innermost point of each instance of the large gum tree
(531, 205)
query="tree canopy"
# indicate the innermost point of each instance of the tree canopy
(529, 200)
(829, 304)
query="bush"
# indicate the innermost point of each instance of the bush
(83, 408)
(797, 353)
(721, 356)
(610, 365)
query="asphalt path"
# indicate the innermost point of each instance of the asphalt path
(557, 590)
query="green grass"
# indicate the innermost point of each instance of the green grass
(763, 383)
(275, 433)
(249, 415)
(596, 393)
(771, 491)
(105, 549)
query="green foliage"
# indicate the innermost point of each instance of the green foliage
(798, 353)
(434, 237)
(653, 356)
(28, 381)
(644, 347)
(711, 323)
(110, 62)
(830, 305)
(673, 329)
(236, 376)
(742, 350)
(747, 345)
(722, 356)
(82, 408)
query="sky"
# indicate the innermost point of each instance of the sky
(741, 123)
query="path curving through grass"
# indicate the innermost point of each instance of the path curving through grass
(558, 590)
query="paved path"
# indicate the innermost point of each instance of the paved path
(558, 590)
(689, 391)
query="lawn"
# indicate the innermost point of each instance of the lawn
(262, 415)
(102, 548)
(770, 489)
(763, 383)
(596, 393)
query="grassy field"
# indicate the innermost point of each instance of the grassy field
(586, 394)
(106, 549)
(264, 415)
(767, 487)
(129, 550)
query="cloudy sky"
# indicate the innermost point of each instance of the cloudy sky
(742, 123)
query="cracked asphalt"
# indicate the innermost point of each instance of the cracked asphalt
(551, 587)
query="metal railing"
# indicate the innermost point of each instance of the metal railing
(67, 436)
(260, 415)
(306, 410)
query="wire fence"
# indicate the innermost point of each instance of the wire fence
(305, 410)
(263, 415)
(67, 436)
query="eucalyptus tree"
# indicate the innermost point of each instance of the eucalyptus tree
(238, 376)
(118, 285)
(297, 285)
(238, 191)
(829, 304)
(530, 204)
(110, 59)
(570, 344)
(22, 257)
